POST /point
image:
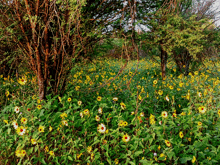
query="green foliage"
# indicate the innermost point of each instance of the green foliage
(71, 130)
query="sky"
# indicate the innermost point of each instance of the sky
(217, 6)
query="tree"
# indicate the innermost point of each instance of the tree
(179, 36)
(50, 33)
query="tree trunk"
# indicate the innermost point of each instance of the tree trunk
(163, 58)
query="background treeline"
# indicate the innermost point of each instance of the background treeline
(50, 37)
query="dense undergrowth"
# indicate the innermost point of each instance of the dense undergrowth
(138, 118)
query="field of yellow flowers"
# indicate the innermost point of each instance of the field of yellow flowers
(104, 117)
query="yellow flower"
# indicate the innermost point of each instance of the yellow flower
(81, 114)
(15, 124)
(79, 155)
(199, 94)
(167, 143)
(23, 120)
(50, 128)
(126, 138)
(167, 98)
(171, 87)
(63, 115)
(97, 118)
(162, 155)
(39, 107)
(33, 141)
(100, 110)
(99, 98)
(116, 161)
(174, 115)
(86, 112)
(20, 153)
(194, 159)
(123, 106)
(164, 114)
(115, 99)
(41, 129)
(59, 98)
(20, 130)
(125, 123)
(101, 128)
(183, 114)
(79, 103)
(139, 97)
(189, 139)
(202, 109)
(159, 147)
(7, 93)
(69, 99)
(89, 149)
(219, 112)
(22, 80)
(51, 153)
(34, 97)
(199, 123)
(64, 122)
(17, 109)
(155, 82)
(121, 123)
(181, 134)
(142, 114)
(77, 88)
(160, 92)
(6, 121)
(46, 149)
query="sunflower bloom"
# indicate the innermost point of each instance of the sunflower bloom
(99, 98)
(38, 106)
(123, 106)
(51, 153)
(20, 153)
(155, 82)
(97, 118)
(17, 109)
(160, 92)
(168, 144)
(21, 130)
(101, 128)
(22, 80)
(202, 109)
(41, 129)
(33, 141)
(199, 123)
(126, 138)
(69, 99)
(86, 112)
(164, 114)
(181, 134)
(79, 103)
(23, 120)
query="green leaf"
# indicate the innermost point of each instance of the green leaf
(70, 158)
(185, 159)
(137, 153)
